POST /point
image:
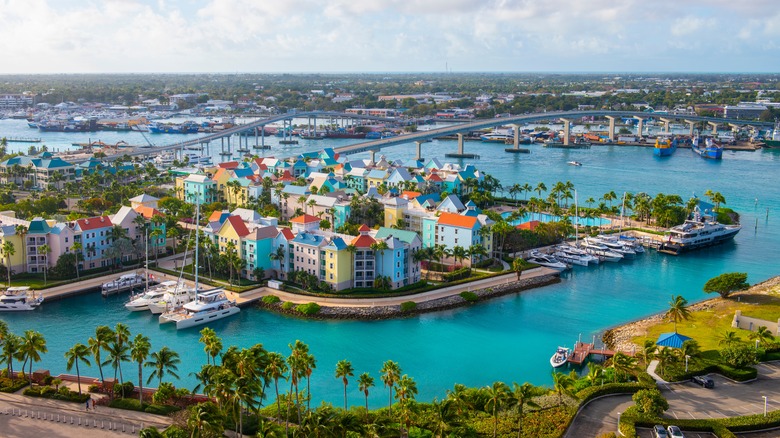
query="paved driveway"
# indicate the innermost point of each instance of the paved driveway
(688, 400)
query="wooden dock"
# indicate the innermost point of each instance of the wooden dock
(583, 350)
(22, 139)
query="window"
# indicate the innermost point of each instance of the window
(331, 276)
(331, 266)
(331, 255)
(456, 231)
(66, 240)
(397, 264)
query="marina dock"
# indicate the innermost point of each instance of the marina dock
(582, 351)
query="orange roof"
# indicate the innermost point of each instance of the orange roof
(228, 165)
(363, 241)
(218, 173)
(305, 219)
(410, 195)
(238, 225)
(148, 212)
(216, 215)
(530, 225)
(456, 220)
(364, 227)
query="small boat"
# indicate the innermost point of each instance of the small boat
(560, 357)
(495, 137)
(574, 163)
(19, 298)
(141, 302)
(208, 306)
(547, 261)
(123, 283)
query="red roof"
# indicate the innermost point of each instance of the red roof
(288, 234)
(364, 228)
(530, 225)
(93, 223)
(457, 220)
(434, 177)
(148, 212)
(286, 176)
(238, 225)
(228, 165)
(305, 219)
(363, 241)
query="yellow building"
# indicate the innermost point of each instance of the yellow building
(338, 264)
(8, 234)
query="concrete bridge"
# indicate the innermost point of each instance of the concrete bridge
(567, 117)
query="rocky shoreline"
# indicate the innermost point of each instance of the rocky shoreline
(619, 338)
(389, 312)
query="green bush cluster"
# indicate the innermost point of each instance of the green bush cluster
(288, 305)
(308, 308)
(10, 386)
(64, 394)
(592, 392)
(471, 297)
(271, 299)
(132, 404)
(484, 264)
(125, 388)
(408, 306)
(457, 274)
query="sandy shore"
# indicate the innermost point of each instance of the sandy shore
(619, 338)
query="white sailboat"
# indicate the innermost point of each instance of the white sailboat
(208, 306)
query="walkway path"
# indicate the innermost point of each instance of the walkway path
(24, 417)
(256, 294)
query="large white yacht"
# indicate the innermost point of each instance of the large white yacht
(697, 233)
(141, 302)
(124, 283)
(211, 305)
(174, 298)
(19, 298)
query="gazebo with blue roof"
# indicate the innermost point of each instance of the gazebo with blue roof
(672, 339)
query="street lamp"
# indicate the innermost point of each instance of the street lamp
(763, 396)
(618, 424)
(686, 362)
(756, 344)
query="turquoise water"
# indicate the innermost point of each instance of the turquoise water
(544, 217)
(510, 338)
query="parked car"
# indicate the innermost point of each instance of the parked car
(675, 432)
(659, 432)
(703, 381)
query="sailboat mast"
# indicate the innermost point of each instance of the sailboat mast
(197, 241)
(146, 250)
(576, 220)
(622, 210)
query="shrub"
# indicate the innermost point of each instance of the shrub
(94, 388)
(592, 392)
(132, 404)
(9, 386)
(650, 402)
(165, 392)
(408, 306)
(469, 296)
(457, 274)
(48, 380)
(125, 388)
(271, 299)
(739, 355)
(288, 305)
(484, 264)
(308, 308)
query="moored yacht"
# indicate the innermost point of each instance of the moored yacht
(124, 283)
(595, 247)
(141, 302)
(581, 253)
(617, 246)
(19, 298)
(697, 233)
(208, 306)
(547, 261)
(175, 297)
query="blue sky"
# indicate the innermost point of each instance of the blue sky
(97, 36)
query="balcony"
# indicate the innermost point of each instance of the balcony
(364, 257)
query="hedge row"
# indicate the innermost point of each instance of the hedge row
(64, 394)
(132, 404)
(11, 386)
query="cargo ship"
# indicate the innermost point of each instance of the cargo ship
(707, 148)
(664, 147)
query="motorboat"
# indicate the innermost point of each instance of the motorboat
(175, 297)
(208, 306)
(617, 246)
(573, 259)
(19, 298)
(574, 163)
(581, 253)
(602, 251)
(141, 302)
(547, 261)
(560, 357)
(124, 283)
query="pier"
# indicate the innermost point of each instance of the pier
(22, 139)
(583, 350)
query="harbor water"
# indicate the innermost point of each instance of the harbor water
(509, 338)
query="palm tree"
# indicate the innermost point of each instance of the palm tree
(162, 362)
(477, 251)
(33, 344)
(540, 188)
(522, 396)
(309, 364)
(77, 353)
(8, 251)
(103, 336)
(678, 310)
(45, 249)
(459, 253)
(729, 338)
(496, 394)
(365, 382)
(139, 351)
(763, 335)
(276, 369)
(21, 230)
(390, 373)
(623, 364)
(344, 369)
(77, 247)
(562, 384)
(379, 248)
(647, 352)
(444, 417)
(595, 372)
(406, 390)
(122, 337)
(12, 344)
(206, 419)
(212, 344)
(296, 362)
(117, 353)
(665, 357)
